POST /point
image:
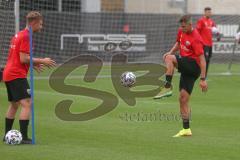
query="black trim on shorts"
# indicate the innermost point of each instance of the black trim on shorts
(18, 89)
(190, 72)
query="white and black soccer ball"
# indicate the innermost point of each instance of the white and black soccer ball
(215, 30)
(13, 137)
(128, 79)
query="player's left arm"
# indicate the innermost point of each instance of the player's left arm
(39, 68)
(198, 49)
(203, 82)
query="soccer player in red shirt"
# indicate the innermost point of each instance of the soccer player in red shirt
(190, 63)
(15, 75)
(207, 27)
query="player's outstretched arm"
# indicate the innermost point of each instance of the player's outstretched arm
(48, 62)
(203, 82)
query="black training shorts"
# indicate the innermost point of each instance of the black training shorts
(190, 71)
(207, 52)
(18, 89)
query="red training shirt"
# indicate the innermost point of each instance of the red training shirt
(191, 44)
(14, 68)
(204, 27)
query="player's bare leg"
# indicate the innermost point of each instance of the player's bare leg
(24, 119)
(10, 116)
(26, 108)
(185, 113)
(12, 110)
(171, 63)
(184, 107)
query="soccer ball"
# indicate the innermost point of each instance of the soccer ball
(13, 137)
(128, 79)
(215, 30)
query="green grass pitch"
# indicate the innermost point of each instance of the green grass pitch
(215, 125)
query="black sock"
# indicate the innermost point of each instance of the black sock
(24, 128)
(168, 81)
(8, 124)
(186, 124)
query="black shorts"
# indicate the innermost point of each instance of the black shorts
(190, 71)
(18, 89)
(207, 52)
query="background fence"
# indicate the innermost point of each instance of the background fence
(85, 27)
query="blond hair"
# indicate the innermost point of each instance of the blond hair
(32, 16)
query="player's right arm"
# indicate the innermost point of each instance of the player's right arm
(25, 59)
(176, 46)
(173, 50)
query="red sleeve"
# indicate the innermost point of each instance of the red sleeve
(25, 46)
(197, 47)
(199, 25)
(179, 35)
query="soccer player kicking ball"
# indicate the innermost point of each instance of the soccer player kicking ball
(15, 75)
(207, 28)
(190, 63)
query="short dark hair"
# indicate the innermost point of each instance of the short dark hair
(186, 19)
(207, 9)
(32, 16)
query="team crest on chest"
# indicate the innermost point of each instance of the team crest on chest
(187, 43)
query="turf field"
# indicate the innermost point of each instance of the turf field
(215, 125)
